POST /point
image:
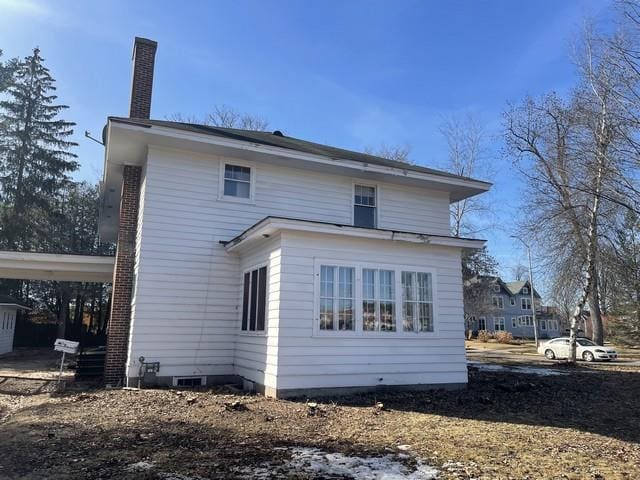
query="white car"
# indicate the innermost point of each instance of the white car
(585, 350)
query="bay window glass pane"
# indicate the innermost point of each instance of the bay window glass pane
(387, 284)
(345, 315)
(326, 314)
(326, 297)
(424, 287)
(408, 283)
(345, 282)
(408, 311)
(387, 317)
(326, 282)
(369, 315)
(425, 317)
(368, 284)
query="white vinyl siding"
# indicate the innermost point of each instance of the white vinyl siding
(310, 358)
(187, 308)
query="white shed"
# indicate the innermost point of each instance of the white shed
(9, 307)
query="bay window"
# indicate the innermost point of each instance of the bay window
(368, 300)
(378, 300)
(336, 298)
(417, 302)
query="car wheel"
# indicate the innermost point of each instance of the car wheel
(549, 354)
(588, 356)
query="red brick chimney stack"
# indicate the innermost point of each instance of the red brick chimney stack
(144, 55)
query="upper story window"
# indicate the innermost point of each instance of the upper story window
(496, 288)
(497, 301)
(525, 303)
(237, 181)
(512, 301)
(525, 290)
(364, 206)
(254, 300)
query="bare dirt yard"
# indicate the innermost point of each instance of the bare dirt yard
(574, 423)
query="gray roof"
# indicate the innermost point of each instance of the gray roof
(277, 139)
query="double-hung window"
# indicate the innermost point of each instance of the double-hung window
(498, 301)
(417, 302)
(482, 323)
(512, 301)
(337, 298)
(254, 300)
(498, 324)
(364, 206)
(378, 300)
(237, 181)
(525, 320)
(525, 303)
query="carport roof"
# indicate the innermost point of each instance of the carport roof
(59, 267)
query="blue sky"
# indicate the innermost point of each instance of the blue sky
(347, 73)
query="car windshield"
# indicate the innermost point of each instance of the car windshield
(586, 343)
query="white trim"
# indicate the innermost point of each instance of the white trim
(252, 181)
(501, 301)
(61, 267)
(290, 153)
(270, 226)
(359, 332)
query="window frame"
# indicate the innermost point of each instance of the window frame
(502, 322)
(525, 290)
(376, 216)
(528, 300)
(512, 301)
(359, 332)
(248, 332)
(482, 319)
(500, 299)
(252, 181)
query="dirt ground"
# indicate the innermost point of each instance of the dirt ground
(581, 424)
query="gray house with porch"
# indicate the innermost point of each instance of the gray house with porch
(511, 310)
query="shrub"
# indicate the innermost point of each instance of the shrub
(504, 337)
(483, 336)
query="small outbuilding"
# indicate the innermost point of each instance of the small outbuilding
(9, 307)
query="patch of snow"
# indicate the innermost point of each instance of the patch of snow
(387, 467)
(141, 466)
(490, 367)
(403, 447)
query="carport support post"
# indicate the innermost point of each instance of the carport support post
(123, 278)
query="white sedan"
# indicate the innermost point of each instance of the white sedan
(585, 350)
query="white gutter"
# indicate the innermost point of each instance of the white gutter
(270, 225)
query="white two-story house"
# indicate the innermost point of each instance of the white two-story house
(294, 266)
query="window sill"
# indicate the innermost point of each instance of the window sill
(230, 199)
(247, 333)
(354, 334)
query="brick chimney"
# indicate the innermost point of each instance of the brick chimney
(144, 54)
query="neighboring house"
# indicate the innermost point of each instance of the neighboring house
(510, 310)
(9, 307)
(293, 266)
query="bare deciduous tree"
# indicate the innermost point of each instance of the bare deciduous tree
(225, 116)
(519, 272)
(466, 139)
(399, 153)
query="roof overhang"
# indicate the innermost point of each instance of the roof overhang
(59, 267)
(127, 143)
(269, 226)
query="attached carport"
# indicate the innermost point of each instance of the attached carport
(58, 267)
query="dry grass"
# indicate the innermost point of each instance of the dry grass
(581, 425)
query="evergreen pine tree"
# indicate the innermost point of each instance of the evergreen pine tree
(35, 156)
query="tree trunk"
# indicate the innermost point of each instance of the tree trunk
(63, 311)
(597, 330)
